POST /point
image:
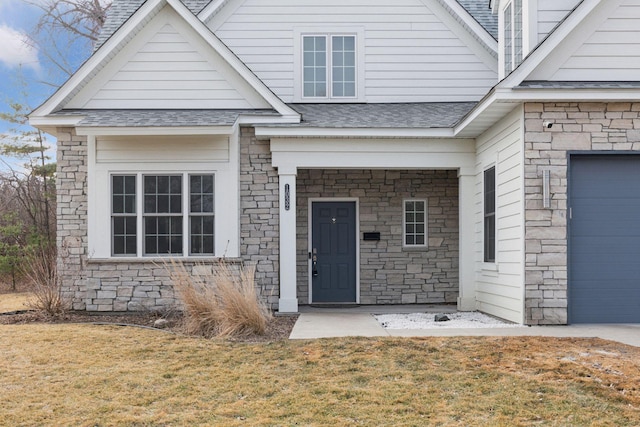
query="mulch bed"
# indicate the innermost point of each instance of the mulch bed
(279, 327)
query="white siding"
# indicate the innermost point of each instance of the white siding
(500, 286)
(550, 13)
(167, 65)
(121, 149)
(410, 54)
(611, 53)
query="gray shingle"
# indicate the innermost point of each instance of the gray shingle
(407, 115)
(160, 118)
(121, 10)
(481, 12)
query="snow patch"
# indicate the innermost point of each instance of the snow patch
(427, 321)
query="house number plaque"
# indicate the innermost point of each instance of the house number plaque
(287, 197)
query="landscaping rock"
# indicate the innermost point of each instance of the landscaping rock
(161, 323)
(441, 318)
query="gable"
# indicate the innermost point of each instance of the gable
(605, 46)
(167, 65)
(414, 50)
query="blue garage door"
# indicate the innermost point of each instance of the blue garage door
(604, 239)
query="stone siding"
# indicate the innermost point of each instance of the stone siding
(259, 214)
(124, 285)
(576, 127)
(390, 274)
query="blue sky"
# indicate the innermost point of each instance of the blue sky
(27, 76)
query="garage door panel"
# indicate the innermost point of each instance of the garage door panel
(604, 239)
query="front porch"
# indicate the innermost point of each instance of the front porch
(379, 180)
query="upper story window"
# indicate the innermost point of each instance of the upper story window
(513, 35)
(329, 66)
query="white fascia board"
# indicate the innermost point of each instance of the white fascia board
(292, 132)
(249, 119)
(480, 108)
(474, 25)
(211, 9)
(553, 40)
(102, 54)
(584, 95)
(232, 59)
(54, 121)
(153, 131)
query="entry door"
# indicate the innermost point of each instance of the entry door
(333, 253)
(604, 245)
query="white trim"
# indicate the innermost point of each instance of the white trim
(154, 131)
(478, 30)
(425, 245)
(312, 200)
(263, 132)
(328, 32)
(211, 9)
(128, 30)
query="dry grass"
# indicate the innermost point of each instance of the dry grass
(13, 302)
(100, 376)
(40, 270)
(223, 302)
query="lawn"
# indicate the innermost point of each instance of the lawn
(13, 301)
(90, 375)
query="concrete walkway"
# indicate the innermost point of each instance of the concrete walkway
(357, 322)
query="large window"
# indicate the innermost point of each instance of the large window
(415, 223)
(168, 224)
(490, 215)
(512, 16)
(329, 66)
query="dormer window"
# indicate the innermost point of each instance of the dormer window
(512, 16)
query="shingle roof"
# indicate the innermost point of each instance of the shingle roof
(531, 84)
(160, 118)
(408, 115)
(345, 116)
(121, 10)
(481, 12)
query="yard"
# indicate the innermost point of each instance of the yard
(87, 375)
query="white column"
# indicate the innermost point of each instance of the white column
(288, 302)
(466, 261)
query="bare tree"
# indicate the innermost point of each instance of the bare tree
(81, 18)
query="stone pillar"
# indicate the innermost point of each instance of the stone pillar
(467, 289)
(288, 302)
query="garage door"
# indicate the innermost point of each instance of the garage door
(604, 239)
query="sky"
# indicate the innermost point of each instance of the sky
(27, 76)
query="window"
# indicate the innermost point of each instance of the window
(123, 214)
(164, 216)
(329, 66)
(415, 223)
(490, 215)
(513, 50)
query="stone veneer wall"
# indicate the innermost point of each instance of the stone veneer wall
(577, 127)
(390, 274)
(259, 214)
(121, 285)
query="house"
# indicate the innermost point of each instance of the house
(477, 152)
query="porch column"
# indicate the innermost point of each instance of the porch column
(466, 261)
(288, 302)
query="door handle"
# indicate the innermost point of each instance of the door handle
(314, 263)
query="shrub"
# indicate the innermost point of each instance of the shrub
(221, 302)
(41, 271)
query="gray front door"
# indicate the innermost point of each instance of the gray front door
(333, 243)
(604, 239)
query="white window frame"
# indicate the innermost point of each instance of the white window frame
(329, 33)
(185, 213)
(512, 47)
(425, 223)
(495, 215)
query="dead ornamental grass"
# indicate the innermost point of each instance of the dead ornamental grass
(101, 376)
(220, 300)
